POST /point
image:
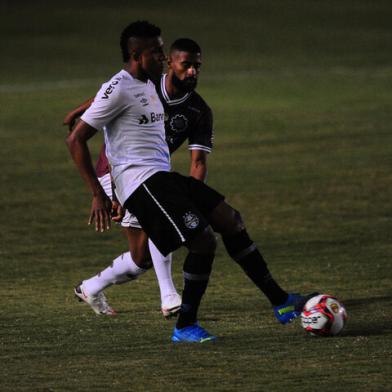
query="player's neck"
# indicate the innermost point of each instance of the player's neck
(172, 91)
(136, 72)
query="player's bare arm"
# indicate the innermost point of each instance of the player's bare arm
(198, 167)
(74, 114)
(101, 204)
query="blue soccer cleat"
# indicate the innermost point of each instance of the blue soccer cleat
(192, 334)
(292, 308)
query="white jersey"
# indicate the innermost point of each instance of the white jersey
(132, 117)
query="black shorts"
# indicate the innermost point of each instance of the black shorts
(172, 209)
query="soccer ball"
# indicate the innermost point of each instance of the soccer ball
(323, 315)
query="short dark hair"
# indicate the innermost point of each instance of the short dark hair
(139, 29)
(185, 45)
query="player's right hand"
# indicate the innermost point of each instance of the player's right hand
(117, 212)
(101, 208)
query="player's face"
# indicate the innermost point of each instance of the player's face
(152, 57)
(185, 69)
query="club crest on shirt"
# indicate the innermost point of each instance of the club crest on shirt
(191, 220)
(144, 101)
(179, 123)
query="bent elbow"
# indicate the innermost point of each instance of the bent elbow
(71, 141)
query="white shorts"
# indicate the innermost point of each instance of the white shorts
(129, 220)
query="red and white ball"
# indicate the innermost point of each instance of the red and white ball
(323, 315)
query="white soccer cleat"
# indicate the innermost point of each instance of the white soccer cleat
(171, 305)
(98, 303)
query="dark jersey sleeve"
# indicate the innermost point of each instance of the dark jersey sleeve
(201, 137)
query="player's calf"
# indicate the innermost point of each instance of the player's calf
(197, 270)
(245, 252)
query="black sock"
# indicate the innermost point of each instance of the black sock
(244, 251)
(197, 269)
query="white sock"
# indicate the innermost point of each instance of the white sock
(123, 269)
(162, 266)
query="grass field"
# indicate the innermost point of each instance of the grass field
(301, 93)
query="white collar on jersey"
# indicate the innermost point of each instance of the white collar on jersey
(166, 95)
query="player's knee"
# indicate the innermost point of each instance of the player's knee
(238, 222)
(226, 220)
(205, 242)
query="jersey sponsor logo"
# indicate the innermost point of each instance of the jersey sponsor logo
(191, 220)
(179, 123)
(143, 119)
(110, 89)
(157, 117)
(154, 117)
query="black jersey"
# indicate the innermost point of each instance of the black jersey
(189, 118)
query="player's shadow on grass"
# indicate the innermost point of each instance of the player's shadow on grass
(370, 326)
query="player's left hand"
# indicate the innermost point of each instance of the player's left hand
(117, 212)
(101, 207)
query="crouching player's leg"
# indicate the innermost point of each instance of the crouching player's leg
(129, 266)
(126, 267)
(170, 299)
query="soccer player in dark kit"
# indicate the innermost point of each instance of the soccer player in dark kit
(187, 117)
(174, 210)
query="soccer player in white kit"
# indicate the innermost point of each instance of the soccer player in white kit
(187, 117)
(174, 210)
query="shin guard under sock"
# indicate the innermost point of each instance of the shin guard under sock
(197, 269)
(244, 251)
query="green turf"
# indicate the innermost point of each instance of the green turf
(301, 93)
